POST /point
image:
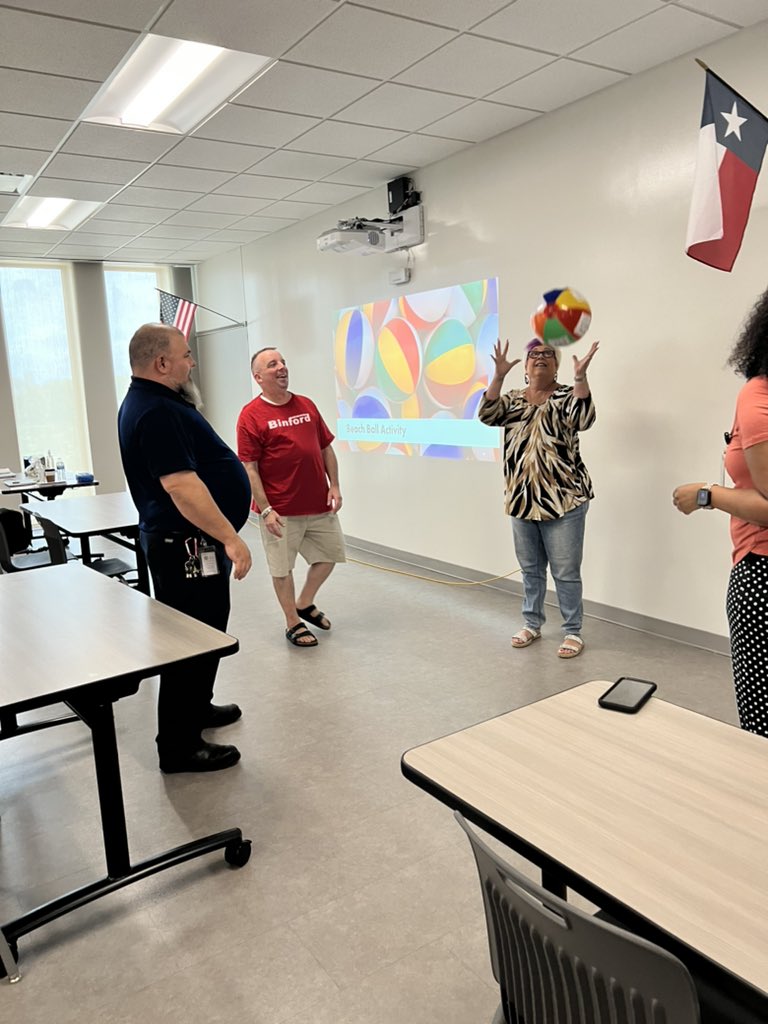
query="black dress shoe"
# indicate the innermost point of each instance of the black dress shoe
(221, 714)
(210, 757)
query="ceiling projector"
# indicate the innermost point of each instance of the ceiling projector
(366, 237)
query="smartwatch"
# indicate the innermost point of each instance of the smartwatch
(704, 497)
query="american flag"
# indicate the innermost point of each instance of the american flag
(178, 312)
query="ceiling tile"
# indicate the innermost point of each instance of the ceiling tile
(401, 106)
(255, 26)
(29, 93)
(212, 248)
(254, 126)
(419, 150)
(126, 255)
(118, 143)
(32, 132)
(88, 168)
(294, 211)
(339, 139)
(742, 12)
(261, 186)
(165, 176)
(480, 121)
(562, 27)
(241, 237)
(305, 90)
(367, 42)
(6, 203)
(452, 13)
(195, 218)
(134, 15)
(132, 214)
(47, 236)
(175, 231)
(369, 173)
(328, 193)
(97, 240)
(224, 156)
(310, 166)
(21, 161)
(36, 42)
(485, 65)
(150, 242)
(240, 205)
(654, 39)
(89, 190)
(83, 252)
(165, 198)
(260, 223)
(557, 85)
(21, 249)
(113, 227)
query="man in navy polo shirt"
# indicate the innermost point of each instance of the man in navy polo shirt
(193, 496)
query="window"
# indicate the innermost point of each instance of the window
(44, 366)
(132, 300)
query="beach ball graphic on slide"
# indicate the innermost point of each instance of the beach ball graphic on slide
(353, 349)
(423, 309)
(398, 360)
(562, 318)
(371, 405)
(449, 363)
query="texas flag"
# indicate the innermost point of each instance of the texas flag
(732, 142)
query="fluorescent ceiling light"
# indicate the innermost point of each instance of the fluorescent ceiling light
(172, 85)
(49, 212)
(13, 184)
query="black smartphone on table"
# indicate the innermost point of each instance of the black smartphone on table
(627, 694)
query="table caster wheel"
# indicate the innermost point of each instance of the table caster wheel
(238, 854)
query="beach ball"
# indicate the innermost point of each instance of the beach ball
(473, 400)
(353, 349)
(449, 363)
(371, 405)
(424, 309)
(487, 337)
(398, 360)
(562, 318)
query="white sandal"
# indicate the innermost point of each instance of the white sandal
(571, 647)
(524, 637)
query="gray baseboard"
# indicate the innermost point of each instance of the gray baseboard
(618, 616)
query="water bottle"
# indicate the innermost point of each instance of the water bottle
(60, 469)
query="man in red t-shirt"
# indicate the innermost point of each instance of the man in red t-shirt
(285, 446)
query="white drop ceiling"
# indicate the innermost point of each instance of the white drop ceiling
(363, 91)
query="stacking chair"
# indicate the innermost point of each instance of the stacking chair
(14, 559)
(112, 567)
(558, 965)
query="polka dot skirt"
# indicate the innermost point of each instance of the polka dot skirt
(747, 608)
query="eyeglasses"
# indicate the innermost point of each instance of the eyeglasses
(541, 353)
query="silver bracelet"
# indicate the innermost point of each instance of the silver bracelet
(266, 511)
(578, 380)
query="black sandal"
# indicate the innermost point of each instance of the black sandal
(313, 615)
(297, 633)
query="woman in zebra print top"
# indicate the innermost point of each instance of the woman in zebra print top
(548, 488)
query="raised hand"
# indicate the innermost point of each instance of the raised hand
(501, 360)
(580, 366)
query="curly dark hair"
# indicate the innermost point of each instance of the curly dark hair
(750, 353)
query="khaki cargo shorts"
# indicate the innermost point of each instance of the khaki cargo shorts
(315, 538)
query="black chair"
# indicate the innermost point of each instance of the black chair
(558, 965)
(115, 568)
(13, 561)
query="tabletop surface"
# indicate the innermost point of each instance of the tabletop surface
(93, 513)
(66, 626)
(665, 810)
(20, 484)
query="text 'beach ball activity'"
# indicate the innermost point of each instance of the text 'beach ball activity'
(562, 318)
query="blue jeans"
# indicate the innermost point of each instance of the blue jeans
(558, 543)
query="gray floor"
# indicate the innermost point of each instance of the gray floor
(360, 902)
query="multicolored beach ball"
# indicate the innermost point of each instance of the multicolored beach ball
(562, 318)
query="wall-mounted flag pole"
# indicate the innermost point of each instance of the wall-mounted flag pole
(181, 312)
(732, 142)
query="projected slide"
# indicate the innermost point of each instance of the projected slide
(410, 373)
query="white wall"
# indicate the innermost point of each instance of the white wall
(594, 196)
